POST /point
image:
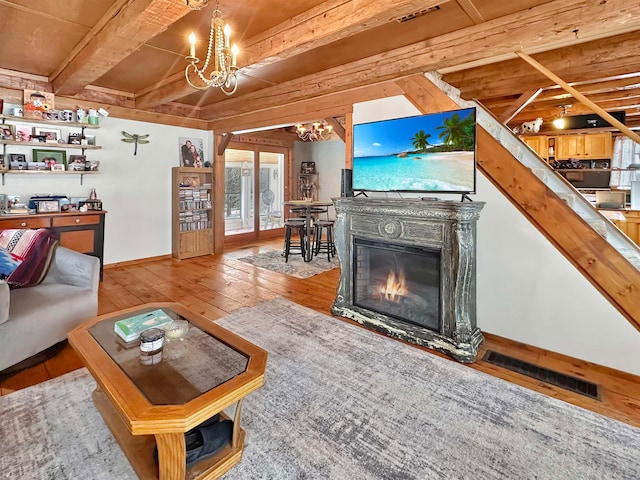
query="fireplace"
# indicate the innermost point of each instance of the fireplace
(408, 270)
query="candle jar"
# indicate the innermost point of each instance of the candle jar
(151, 341)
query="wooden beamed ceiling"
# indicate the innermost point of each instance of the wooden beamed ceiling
(313, 59)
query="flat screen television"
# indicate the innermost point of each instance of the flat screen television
(435, 152)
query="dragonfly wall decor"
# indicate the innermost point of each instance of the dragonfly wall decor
(135, 139)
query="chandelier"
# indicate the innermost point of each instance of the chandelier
(224, 70)
(314, 132)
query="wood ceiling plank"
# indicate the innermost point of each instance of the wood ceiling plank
(588, 61)
(121, 33)
(327, 23)
(548, 24)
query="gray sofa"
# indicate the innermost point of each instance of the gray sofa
(35, 318)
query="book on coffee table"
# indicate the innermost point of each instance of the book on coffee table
(129, 329)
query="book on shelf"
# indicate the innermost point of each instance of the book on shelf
(129, 329)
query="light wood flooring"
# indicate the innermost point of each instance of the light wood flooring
(218, 284)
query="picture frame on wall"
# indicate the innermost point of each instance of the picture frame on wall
(50, 157)
(77, 163)
(191, 151)
(90, 139)
(37, 102)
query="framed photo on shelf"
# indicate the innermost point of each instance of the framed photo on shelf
(77, 163)
(51, 135)
(17, 161)
(191, 152)
(308, 168)
(50, 157)
(23, 133)
(37, 102)
(48, 206)
(91, 139)
(75, 138)
(6, 132)
(58, 167)
(40, 166)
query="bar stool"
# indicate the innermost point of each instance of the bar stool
(323, 246)
(293, 246)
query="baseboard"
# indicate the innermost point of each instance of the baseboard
(128, 263)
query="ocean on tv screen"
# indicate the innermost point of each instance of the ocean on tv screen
(441, 172)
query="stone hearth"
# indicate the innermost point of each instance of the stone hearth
(446, 229)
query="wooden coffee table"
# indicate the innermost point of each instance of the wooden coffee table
(147, 405)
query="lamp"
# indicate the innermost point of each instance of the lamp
(224, 70)
(559, 122)
(314, 132)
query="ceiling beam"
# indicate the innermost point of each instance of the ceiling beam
(470, 9)
(337, 127)
(547, 25)
(327, 23)
(121, 31)
(516, 107)
(579, 63)
(580, 97)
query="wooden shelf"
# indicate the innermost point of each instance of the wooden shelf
(13, 118)
(51, 145)
(49, 172)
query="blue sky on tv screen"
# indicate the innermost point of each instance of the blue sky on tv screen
(389, 137)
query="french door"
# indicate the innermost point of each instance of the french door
(254, 186)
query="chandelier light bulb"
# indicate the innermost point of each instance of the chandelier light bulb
(220, 64)
(559, 122)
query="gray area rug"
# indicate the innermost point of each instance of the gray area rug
(295, 267)
(340, 402)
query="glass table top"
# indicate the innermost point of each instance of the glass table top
(185, 368)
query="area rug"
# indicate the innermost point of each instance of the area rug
(341, 402)
(295, 267)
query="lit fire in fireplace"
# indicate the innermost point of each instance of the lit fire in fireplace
(395, 288)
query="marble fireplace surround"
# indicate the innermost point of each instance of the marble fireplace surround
(445, 226)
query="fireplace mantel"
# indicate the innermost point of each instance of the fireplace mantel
(448, 227)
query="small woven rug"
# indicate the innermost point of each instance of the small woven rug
(295, 267)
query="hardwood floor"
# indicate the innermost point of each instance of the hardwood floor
(218, 284)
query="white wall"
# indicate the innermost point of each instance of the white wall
(135, 190)
(329, 156)
(526, 290)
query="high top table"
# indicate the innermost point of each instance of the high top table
(308, 206)
(145, 405)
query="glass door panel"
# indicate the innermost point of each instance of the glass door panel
(271, 184)
(238, 191)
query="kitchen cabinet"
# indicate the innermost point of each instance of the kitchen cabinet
(539, 144)
(592, 145)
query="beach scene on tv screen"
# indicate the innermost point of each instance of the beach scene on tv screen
(434, 152)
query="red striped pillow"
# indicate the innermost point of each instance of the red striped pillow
(35, 248)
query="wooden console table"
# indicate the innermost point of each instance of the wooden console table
(79, 231)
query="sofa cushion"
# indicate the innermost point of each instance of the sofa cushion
(35, 248)
(8, 263)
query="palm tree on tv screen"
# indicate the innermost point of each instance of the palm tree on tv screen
(457, 133)
(420, 140)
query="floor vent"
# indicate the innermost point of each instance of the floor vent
(561, 380)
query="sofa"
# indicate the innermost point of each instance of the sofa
(35, 318)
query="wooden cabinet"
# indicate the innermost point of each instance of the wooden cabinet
(539, 144)
(82, 232)
(631, 225)
(191, 212)
(592, 145)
